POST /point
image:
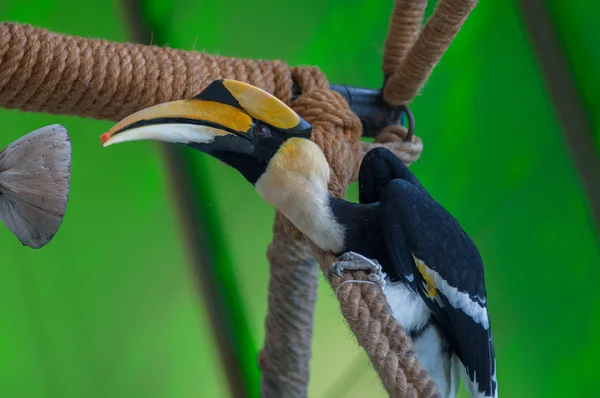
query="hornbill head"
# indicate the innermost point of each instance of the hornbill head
(237, 123)
(260, 136)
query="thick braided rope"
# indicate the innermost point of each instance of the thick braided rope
(41, 71)
(437, 35)
(285, 357)
(393, 138)
(388, 346)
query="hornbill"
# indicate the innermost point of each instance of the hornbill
(431, 271)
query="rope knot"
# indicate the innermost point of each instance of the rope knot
(393, 133)
(309, 78)
(393, 138)
(336, 129)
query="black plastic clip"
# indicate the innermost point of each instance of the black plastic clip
(373, 112)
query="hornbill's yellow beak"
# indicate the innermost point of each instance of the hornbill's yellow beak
(230, 120)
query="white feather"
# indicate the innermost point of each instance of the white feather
(412, 314)
(408, 308)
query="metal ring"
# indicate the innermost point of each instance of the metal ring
(400, 111)
(405, 110)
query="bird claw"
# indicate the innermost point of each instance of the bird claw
(354, 262)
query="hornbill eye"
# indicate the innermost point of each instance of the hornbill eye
(262, 131)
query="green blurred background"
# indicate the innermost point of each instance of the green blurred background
(110, 309)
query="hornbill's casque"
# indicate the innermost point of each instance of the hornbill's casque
(432, 271)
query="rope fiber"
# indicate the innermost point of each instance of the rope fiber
(42, 71)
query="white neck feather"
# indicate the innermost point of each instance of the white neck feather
(295, 183)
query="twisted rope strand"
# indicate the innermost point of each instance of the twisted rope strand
(285, 357)
(41, 71)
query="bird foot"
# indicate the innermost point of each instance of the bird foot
(354, 262)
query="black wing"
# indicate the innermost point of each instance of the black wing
(449, 275)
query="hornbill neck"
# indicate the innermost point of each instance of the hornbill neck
(307, 204)
(296, 181)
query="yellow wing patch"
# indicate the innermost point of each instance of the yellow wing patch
(262, 106)
(427, 275)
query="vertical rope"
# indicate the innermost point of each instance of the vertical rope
(403, 31)
(286, 355)
(408, 79)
